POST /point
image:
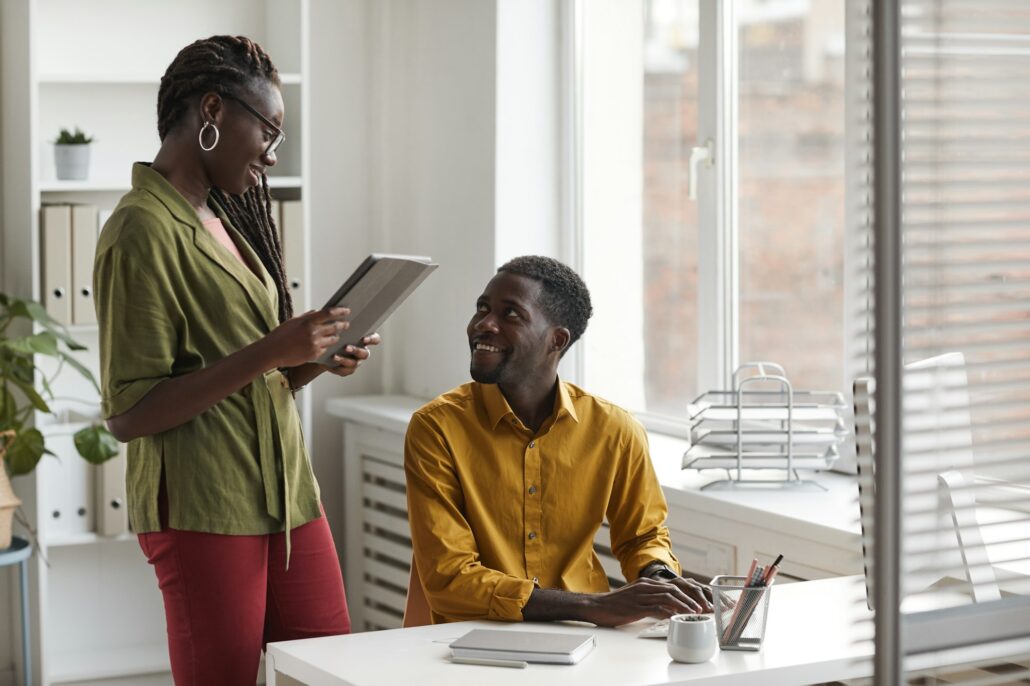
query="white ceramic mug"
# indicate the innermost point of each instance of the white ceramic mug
(691, 638)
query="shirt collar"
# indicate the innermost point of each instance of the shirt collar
(260, 289)
(145, 178)
(498, 409)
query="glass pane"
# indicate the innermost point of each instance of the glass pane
(791, 195)
(670, 216)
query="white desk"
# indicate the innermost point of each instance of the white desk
(810, 638)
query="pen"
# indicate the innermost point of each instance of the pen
(770, 573)
(488, 662)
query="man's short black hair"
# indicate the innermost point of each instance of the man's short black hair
(565, 299)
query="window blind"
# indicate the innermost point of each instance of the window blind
(965, 329)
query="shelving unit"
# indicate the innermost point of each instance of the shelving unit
(97, 613)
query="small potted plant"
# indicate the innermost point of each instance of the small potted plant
(22, 446)
(71, 155)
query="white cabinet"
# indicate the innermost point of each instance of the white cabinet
(96, 610)
(712, 532)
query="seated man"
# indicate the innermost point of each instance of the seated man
(510, 476)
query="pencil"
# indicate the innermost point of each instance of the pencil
(736, 610)
(766, 579)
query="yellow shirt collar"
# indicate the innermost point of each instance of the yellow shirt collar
(498, 409)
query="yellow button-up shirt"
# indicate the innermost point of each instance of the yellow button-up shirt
(496, 510)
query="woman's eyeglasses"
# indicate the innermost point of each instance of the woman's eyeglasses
(279, 137)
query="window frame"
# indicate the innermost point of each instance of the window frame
(718, 296)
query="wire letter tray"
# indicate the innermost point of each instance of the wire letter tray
(764, 424)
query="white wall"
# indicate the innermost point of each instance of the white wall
(436, 70)
(465, 128)
(613, 348)
(338, 204)
(528, 182)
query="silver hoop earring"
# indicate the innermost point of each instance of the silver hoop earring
(200, 138)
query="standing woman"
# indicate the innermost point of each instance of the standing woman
(200, 357)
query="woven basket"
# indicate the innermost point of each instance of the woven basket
(8, 500)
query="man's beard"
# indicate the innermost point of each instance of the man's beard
(490, 376)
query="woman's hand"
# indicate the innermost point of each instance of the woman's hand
(353, 356)
(306, 337)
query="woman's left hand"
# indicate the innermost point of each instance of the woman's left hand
(354, 356)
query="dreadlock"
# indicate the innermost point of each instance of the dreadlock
(230, 66)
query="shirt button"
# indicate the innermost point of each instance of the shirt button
(532, 490)
(532, 444)
(532, 535)
(536, 580)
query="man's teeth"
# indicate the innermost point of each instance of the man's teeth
(487, 348)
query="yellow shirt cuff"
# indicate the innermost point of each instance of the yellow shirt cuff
(510, 596)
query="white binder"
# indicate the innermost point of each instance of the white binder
(277, 215)
(84, 245)
(293, 250)
(68, 509)
(112, 513)
(55, 231)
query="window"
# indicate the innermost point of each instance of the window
(791, 191)
(952, 465)
(772, 212)
(670, 226)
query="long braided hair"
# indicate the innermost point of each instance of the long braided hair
(229, 66)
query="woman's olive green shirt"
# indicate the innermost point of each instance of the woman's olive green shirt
(171, 300)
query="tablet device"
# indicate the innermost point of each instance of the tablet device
(376, 288)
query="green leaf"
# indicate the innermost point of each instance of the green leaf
(20, 309)
(36, 312)
(8, 409)
(47, 390)
(34, 397)
(44, 343)
(24, 452)
(96, 444)
(78, 366)
(22, 368)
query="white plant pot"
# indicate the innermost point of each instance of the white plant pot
(71, 162)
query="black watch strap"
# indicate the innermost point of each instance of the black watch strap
(659, 570)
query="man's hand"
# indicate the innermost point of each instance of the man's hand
(701, 593)
(645, 598)
(696, 591)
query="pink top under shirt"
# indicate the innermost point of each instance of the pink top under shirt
(216, 229)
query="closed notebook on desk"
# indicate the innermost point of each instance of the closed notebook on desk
(529, 646)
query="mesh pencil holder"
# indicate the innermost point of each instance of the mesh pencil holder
(740, 613)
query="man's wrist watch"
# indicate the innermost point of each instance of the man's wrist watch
(659, 570)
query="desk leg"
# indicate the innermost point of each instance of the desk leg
(270, 674)
(26, 652)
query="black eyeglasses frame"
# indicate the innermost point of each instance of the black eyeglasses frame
(280, 136)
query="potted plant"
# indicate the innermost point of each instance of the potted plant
(71, 155)
(22, 446)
